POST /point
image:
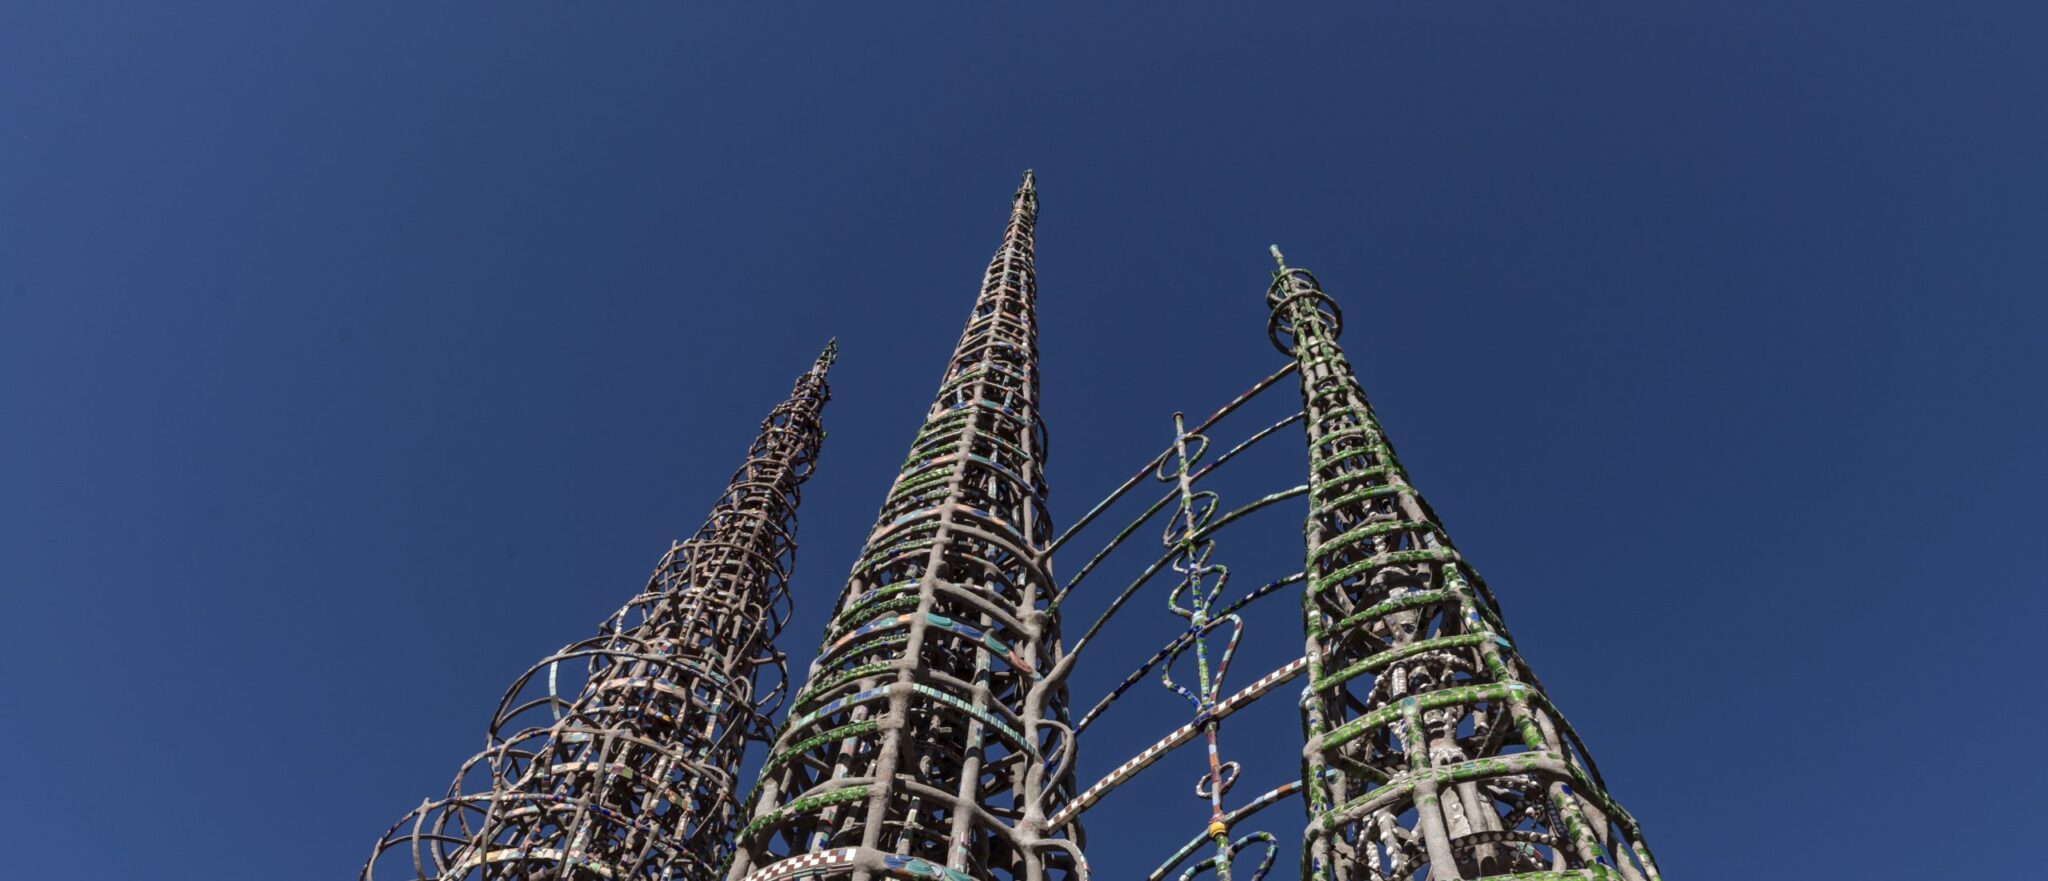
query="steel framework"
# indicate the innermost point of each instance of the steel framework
(1431, 752)
(1431, 745)
(931, 740)
(631, 772)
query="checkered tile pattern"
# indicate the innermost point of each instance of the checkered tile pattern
(803, 865)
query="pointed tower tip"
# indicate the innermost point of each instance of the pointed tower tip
(1030, 184)
(826, 357)
(1277, 257)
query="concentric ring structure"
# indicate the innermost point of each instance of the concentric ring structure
(1432, 751)
(930, 741)
(616, 757)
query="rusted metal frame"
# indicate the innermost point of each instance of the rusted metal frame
(633, 776)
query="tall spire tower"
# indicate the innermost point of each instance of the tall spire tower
(616, 757)
(1430, 740)
(930, 740)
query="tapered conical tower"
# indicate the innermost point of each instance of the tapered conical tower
(930, 740)
(1432, 751)
(616, 757)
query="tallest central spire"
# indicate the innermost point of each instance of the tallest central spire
(930, 739)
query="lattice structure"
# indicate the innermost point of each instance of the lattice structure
(615, 757)
(931, 738)
(1432, 753)
(1432, 750)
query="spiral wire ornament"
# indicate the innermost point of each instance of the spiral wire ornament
(1192, 549)
(632, 776)
(1196, 597)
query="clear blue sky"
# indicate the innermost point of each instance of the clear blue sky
(352, 356)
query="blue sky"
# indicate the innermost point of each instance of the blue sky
(353, 356)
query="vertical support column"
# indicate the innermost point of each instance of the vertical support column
(927, 741)
(1429, 740)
